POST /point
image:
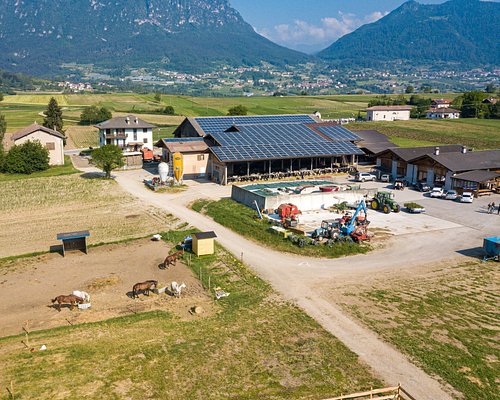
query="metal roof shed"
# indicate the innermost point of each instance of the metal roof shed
(73, 241)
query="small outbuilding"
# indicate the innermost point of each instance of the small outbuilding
(203, 243)
(72, 241)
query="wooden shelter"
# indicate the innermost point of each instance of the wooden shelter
(203, 243)
(73, 241)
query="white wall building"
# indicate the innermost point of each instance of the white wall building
(52, 140)
(442, 113)
(388, 113)
(130, 133)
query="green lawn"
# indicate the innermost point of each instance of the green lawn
(477, 133)
(255, 346)
(66, 169)
(241, 219)
(447, 321)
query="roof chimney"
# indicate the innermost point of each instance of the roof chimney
(136, 120)
(436, 151)
(127, 120)
(464, 149)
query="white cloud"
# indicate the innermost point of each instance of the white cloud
(329, 29)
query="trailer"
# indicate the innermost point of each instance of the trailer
(491, 247)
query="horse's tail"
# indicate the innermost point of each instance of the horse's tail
(54, 300)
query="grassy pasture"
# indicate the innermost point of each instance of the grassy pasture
(59, 170)
(241, 219)
(256, 346)
(447, 321)
(477, 133)
(23, 109)
(34, 210)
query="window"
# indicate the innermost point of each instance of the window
(135, 134)
(201, 157)
(145, 130)
(145, 140)
(50, 146)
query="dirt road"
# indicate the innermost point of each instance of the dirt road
(299, 279)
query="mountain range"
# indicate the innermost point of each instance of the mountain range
(459, 31)
(40, 37)
(37, 36)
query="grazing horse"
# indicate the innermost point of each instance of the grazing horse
(84, 295)
(176, 289)
(69, 299)
(143, 287)
(172, 258)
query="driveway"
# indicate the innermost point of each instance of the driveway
(299, 278)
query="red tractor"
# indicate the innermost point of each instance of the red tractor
(289, 214)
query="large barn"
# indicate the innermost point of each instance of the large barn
(269, 146)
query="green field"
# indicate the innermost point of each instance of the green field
(242, 220)
(476, 133)
(447, 321)
(59, 170)
(255, 346)
(22, 109)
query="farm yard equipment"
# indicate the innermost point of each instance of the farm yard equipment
(384, 201)
(414, 208)
(289, 214)
(355, 227)
(329, 230)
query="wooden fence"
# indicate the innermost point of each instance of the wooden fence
(389, 393)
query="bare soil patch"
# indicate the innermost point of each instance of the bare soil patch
(35, 210)
(107, 273)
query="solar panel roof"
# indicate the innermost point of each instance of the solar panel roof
(220, 124)
(267, 134)
(283, 150)
(337, 132)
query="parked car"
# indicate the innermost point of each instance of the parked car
(385, 178)
(437, 192)
(422, 187)
(451, 195)
(365, 176)
(467, 197)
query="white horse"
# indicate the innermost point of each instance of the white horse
(176, 289)
(84, 295)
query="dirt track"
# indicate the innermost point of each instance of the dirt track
(306, 280)
(107, 273)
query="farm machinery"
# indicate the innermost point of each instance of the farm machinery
(349, 227)
(289, 215)
(384, 201)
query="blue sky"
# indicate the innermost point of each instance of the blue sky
(311, 25)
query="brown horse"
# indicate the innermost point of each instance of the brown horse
(69, 299)
(143, 287)
(172, 258)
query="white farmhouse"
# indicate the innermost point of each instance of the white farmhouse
(52, 140)
(388, 113)
(442, 113)
(129, 133)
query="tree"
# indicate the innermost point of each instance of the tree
(108, 158)
(169, 110)
(93, 115)
(472, 105)
(3, 128)
(238, 110)
(409, 89)
(490, 88)
(1, 96)
(426, 89)
(157, 97)
(26, 158)
(53, 116)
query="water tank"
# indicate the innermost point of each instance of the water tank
(163, 171)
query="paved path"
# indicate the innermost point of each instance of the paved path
(297, 277)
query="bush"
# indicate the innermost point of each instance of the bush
(26, 158)
(238, 110)
(93, 115)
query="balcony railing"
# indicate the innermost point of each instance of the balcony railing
(116, 136)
